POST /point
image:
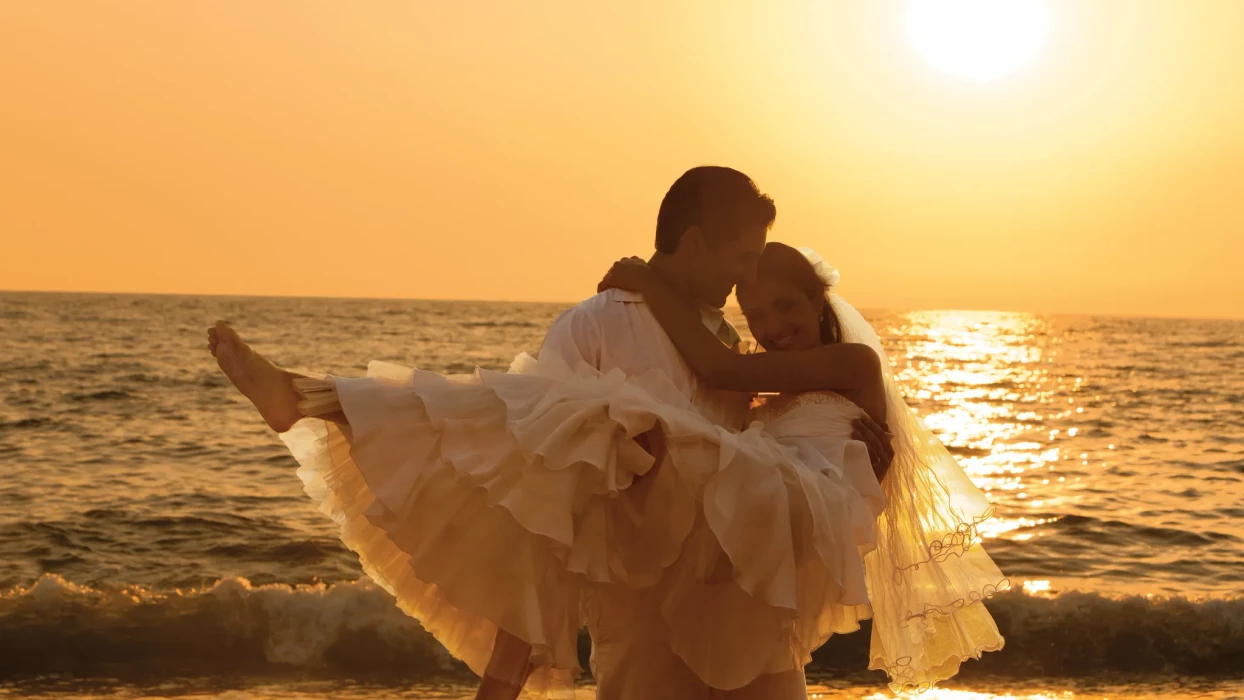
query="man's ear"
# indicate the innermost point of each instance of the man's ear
(692, 240)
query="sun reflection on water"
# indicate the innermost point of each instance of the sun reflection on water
(1175, 690)
(1110, 448)
(945, 694)
(816, 692)
(981, 381)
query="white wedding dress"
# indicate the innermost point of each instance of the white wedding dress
(499, 499)
(520, 501)
(502, 499)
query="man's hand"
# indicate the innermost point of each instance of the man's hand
(877, 437)
(630, 274)
(652, 442)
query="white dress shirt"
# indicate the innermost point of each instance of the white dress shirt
(616, 330)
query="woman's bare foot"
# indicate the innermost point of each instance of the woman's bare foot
(269, 387)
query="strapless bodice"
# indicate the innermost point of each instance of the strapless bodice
(807, 414)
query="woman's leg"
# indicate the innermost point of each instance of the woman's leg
(269, 388)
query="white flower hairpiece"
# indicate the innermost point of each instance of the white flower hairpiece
(828, 274)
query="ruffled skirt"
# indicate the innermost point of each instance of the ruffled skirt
(495, 501)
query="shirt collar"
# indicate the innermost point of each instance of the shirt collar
(714, 319)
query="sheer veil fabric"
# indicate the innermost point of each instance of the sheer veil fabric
(929, 574)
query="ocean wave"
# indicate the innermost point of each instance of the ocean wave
(105, 395)
(349, 629)
(1076, 530)
(24, 423)
(497, 324)
(1083, 528)
(1079, 634)
(353, 630)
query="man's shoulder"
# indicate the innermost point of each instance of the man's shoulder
(582, 330)
(604, 302)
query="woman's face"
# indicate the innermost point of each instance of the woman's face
(780, 315)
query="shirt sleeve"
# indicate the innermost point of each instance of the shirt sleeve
(575, 337)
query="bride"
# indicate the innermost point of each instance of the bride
(503, 510)
(928, 572)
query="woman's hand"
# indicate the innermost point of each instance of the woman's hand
(631, 274)
(878, 438)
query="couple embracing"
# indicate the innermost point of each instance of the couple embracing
(711, 516)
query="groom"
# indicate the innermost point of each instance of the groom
(711, 230)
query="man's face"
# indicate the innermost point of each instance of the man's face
(715, 271)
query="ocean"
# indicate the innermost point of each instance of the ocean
(155, 541)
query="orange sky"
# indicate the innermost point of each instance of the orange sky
(440, 150)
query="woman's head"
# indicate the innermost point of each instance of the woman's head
(787, 306)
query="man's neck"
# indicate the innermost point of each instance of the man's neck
(669, 270)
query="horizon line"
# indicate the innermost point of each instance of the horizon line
(572, 303)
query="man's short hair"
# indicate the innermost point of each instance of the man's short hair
(721, 201)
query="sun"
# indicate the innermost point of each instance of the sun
(977, 40)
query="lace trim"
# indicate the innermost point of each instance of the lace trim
(775, 407)
(903, 675)
(954, 543)
(989, 591)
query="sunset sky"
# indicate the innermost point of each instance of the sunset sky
(513, 150)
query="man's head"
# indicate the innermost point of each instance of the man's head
(713, 223)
